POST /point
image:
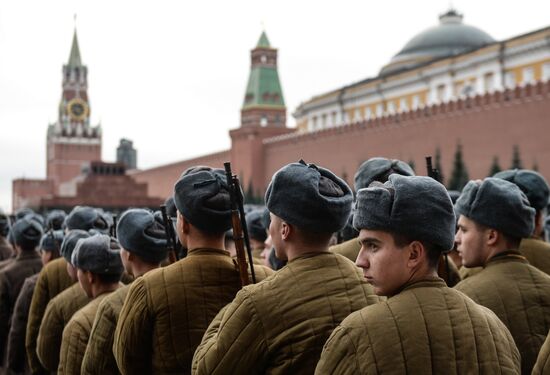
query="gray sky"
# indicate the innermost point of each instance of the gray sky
(171, 75)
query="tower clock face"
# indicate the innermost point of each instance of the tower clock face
(78, 109)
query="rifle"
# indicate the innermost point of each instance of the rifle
(434, 173)
(240, 231)
(113, 228)
(170, 234)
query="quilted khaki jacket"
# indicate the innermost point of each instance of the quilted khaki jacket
(26, 264)
(537, 253)
(99, 358)
(350, 249)
(428, 328)
(75, 337)
(279, 326)
(519, 294)
(16, 359)
(168, 310)
(58, 313)
(542, 366)
(52, 280)
(6, 251)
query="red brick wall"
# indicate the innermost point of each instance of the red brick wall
(487, 126)
(65, 160)
(29, 192)
(161, 179)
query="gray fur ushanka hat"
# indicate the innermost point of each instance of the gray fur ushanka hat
(140, 233)
(497, 204)
(310, 197)
(69, 242)
(202, 197)
(27, 232)
(98, 254)
(531, 183)
(415, 206)
(376, 168)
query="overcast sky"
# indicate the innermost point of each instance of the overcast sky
(171, 75)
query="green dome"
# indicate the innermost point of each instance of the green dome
(450, 37)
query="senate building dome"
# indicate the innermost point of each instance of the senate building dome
(449, 38)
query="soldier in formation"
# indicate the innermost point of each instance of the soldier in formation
(424, 326)
(391, 312)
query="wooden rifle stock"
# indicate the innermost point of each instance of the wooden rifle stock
(170, 235)
(434, 173)
(238, 236)
(240, 205)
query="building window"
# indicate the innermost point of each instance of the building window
(391, 108)
(357, 115)
(403, 105)
(510, 80)
(546, 72)
(368, 113)
(334, 119)
(440, 93)
(323, 120)
(379, 110)
(314, 123)
(489, 82)
(415, 102)
(528, 75)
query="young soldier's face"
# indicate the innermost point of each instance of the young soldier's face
(384, 264)
(470, 242)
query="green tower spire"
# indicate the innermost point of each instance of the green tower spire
(263, 88)
(263, 42)
(74, 57)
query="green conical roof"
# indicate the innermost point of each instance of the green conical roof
(264, 88)
(74, 57)
(263, 42)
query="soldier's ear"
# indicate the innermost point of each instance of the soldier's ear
(90, 277)
(286, 230)
(492, 236)
(416, 253)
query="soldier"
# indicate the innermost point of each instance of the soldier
(86, 218)
(6, 251)
(27, 234)
(55, 219)
(99, 267)
(257, 234)
(535, 187)
(49, 250)
(280, 324)
(143, 247)
(374, 169)
(167, 311)
(424, 326)
(494, 216)
(60, 309)
(54, 278)
(379, 169)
